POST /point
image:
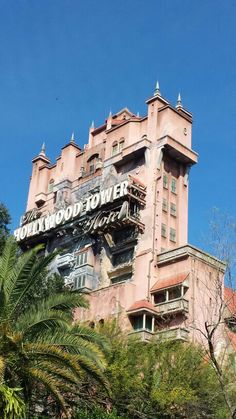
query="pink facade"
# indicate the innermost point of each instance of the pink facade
(119, 209)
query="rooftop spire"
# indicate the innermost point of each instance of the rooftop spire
(92, 125)
(72, 140)
(43, 148)
(157, 89)
(179, 102)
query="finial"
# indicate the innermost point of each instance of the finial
(179, 102)
(92, 125)
(42, 152)
(110, 114)
(72, 140)
(157, 89)
(138, 114)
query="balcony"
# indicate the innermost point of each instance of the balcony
(175, 333)
(65, 261)
(175, 306)
(143, 334)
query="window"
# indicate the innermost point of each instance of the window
(160, 297)
(91, 168)
(148, 324)
(163, 230)
(81, 259)
(123, 257)
(79, 281)
(167, 295)
(114, 148)
(173, 209)
(174, 293)
(164, 205)
(121, 144)
(138, 322)
(91, 163)
(173, 185)
(165, 181)
(172, 234)
(121, 278)
(55, 197)
(120, 236)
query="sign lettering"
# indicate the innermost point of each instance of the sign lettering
(76, 210)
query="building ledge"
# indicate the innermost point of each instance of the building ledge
(143, 334)
(183, 252)
(175, 333)
(172, 306)
(128, 153)
(125, 268)
(178, 151)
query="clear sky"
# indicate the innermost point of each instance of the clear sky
(64, 63)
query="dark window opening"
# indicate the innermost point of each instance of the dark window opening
(123, 257)
(148, 325)
(160, 297)
(174, 293)
(55, 197)
(121, 278)
(138, 322)
(120, 236)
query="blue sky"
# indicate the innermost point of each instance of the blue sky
(65, 63)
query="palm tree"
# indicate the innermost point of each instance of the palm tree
(39, 346)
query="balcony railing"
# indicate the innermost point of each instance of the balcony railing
(180, 304)
(175, 333)
(65, 261)
(143, 334)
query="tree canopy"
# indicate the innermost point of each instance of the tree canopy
(41, 351)
(5, 219)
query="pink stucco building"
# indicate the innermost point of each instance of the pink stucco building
(118, 209)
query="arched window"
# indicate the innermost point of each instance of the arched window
(91, 162)
(115, 149)
(121, 144)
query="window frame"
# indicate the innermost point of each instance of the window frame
(173, 234)
(84, 256)
(173, 209)
(115, 148)
(80, 281)
(165, 181)
(165, 205)
(173, 187)
(163, 230)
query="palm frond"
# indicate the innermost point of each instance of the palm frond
(39, 321)
(30, 273)
(65, 301)
(90, 335)
(73, 344)
(50, 383)
(7, 262)
(60, 372)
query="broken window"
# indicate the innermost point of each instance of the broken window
(123, 257)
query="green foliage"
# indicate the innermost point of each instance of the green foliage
(5, 219)
(96, 413)
(40, 350)
(11, 404)
(156, 380)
